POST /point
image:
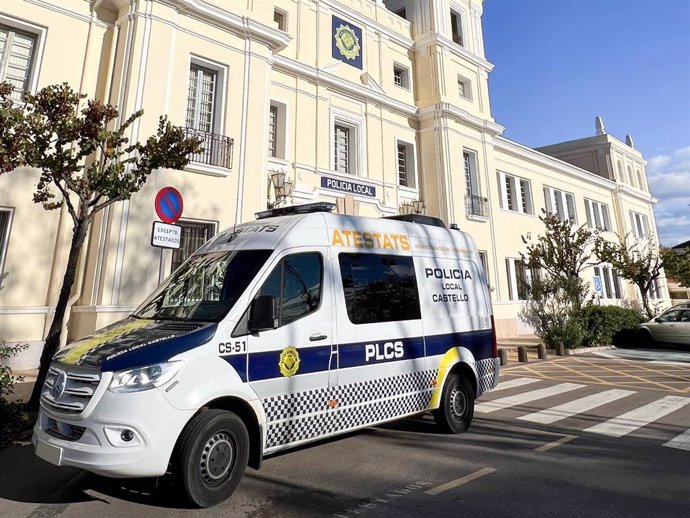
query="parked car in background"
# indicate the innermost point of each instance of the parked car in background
(671, 327)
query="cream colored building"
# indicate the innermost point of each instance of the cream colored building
(369, 103)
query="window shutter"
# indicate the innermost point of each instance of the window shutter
(342, 149)
(605, 214)
(201, 99)
(547, 199)
(570, 202)
(4, 233)
(272, 125)
(402, 165)
(16, 55)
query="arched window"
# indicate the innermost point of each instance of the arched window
(621, 177)
(631, 178)
(640, 180)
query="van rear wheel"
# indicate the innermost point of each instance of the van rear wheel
(457, 405)
(212, 456)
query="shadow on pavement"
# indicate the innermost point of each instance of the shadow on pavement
(26, 478)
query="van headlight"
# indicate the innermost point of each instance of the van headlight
(144, 378)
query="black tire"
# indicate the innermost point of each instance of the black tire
(645, 338)
(212, 456)
(457, 405)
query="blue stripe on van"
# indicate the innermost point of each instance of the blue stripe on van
(480, 343)
(311, 359)
(354, 355)
(239, 363)
(263, 366)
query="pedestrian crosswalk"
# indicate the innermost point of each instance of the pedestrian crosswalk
(620, 412)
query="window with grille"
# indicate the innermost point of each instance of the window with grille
(471, 180)
(560, 203)
(406, 165)
(5, 220)
(401, 76)
(193, 236)
(17, 51)
(343, 150)
(201, 98)
(516, 193)
(464, 88)
(597, 215)
(272, 130)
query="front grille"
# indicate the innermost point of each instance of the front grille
(64, 431)
(79, 387)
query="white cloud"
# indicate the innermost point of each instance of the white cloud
(669, 181)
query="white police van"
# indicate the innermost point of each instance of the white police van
(296, 327)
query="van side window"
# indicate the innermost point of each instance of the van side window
(379, 288)
(295, 283)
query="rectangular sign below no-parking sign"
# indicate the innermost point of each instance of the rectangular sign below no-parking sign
(166, 236)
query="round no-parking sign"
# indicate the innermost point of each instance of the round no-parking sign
(169, 204)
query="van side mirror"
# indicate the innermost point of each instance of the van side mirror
(263, 314)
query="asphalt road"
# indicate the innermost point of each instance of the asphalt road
(540, 445)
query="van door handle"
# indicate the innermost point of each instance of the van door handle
(317, 336)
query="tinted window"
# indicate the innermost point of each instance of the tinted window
(669, 316)
(295, 283)
(379, 288)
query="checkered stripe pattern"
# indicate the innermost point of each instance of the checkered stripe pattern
(487, 372)
(285, 406)
(345, 418)
(355, 393)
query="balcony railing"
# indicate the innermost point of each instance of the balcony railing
(217, 149)
(477, 205)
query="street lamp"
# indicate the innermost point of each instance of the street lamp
(282, 188)
(412, 207)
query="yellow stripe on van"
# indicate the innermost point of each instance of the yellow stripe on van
(88, 344)
(447, 361)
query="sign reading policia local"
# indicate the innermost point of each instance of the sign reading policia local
(347, 42)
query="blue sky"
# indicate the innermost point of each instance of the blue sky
(560, 63)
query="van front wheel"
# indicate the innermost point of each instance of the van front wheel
(457, 405)
(212, 456)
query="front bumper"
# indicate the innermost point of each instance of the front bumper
(97, 441)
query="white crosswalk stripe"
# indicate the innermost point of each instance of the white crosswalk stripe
(526, 397)
(642, 416)
(578, 406)
(682, 441)
(518, 382)
(616, 427)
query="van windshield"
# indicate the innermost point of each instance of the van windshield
(205, 287)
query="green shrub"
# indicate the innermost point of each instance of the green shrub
(605, 325)
(14, 417)
(549, 311)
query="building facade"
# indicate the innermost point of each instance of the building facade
(371, 104)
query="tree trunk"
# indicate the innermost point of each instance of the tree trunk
(53, 339)
(645, 303)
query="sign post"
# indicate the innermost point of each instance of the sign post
(598, 287)
(165, 234)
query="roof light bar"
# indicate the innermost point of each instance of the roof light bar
(321, 206)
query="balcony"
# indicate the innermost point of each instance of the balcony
(476, 205)
(217, 149)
